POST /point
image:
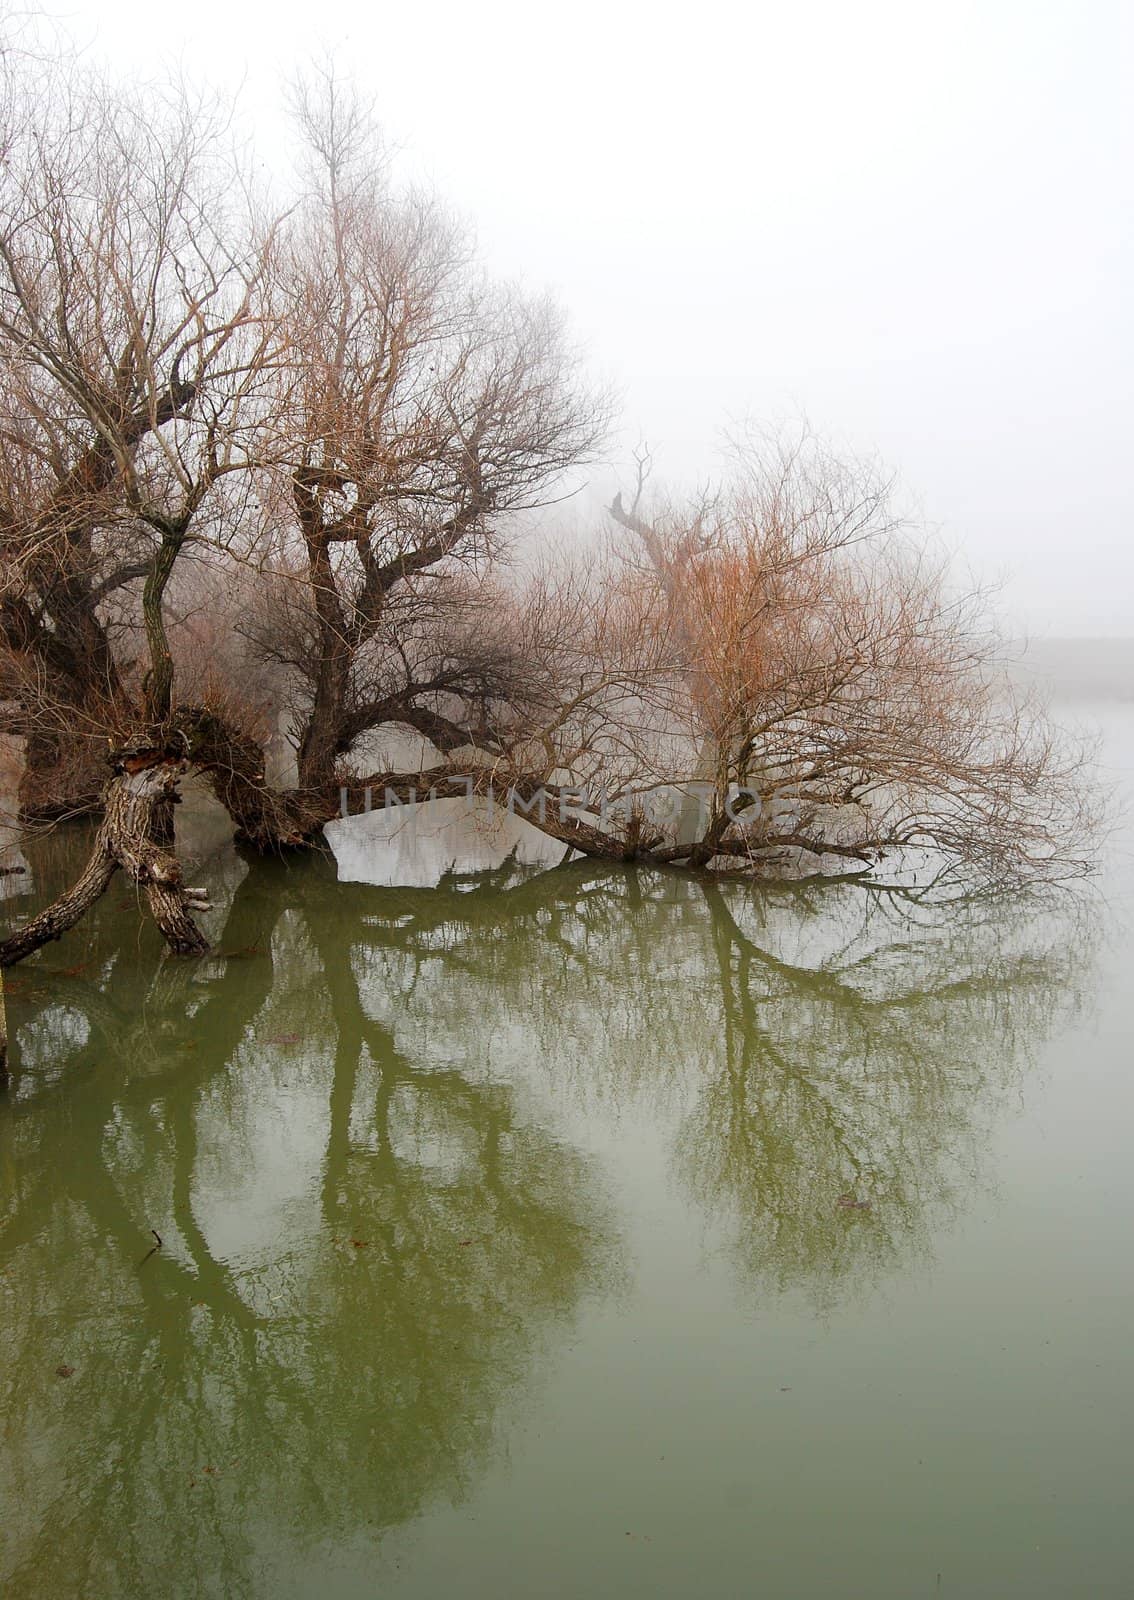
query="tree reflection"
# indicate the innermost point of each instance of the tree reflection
(366, 1236)
(809, 1046)
(842, 1119)
(323, 1371)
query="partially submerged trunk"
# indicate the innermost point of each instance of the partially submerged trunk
(136, 802)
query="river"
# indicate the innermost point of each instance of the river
(553, 1230)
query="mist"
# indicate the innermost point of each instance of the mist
(906, 223)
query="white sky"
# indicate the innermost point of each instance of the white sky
(911, 221)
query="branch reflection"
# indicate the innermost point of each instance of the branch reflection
(346, 1128)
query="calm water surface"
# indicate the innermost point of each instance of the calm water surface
(503, 1252)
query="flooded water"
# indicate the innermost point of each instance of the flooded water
(562, 1231)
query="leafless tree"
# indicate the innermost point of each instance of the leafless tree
(428, 407)
(252, 463)
(131, 341)
(840, 695)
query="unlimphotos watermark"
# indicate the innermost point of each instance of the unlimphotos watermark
(688, 803)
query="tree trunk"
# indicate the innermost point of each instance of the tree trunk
(133, 804)
(158, 686)
(319, 743)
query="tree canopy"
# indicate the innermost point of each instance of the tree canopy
(265, 459)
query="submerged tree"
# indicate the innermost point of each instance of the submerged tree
(301, 445)
(843, 697)
(426, 405)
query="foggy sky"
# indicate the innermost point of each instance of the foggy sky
(911, 222)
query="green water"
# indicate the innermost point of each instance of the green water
(503, 1253)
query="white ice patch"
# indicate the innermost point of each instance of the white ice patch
(414, 846)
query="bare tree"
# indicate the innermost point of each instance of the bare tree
(428, 405)
(130, 343)
(133, 352)
(399, 407)
(308, 443)
(849, 698)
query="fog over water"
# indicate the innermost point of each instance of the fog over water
(909, 223)
(408, 1202)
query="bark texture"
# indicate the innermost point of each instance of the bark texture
(135, 802)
